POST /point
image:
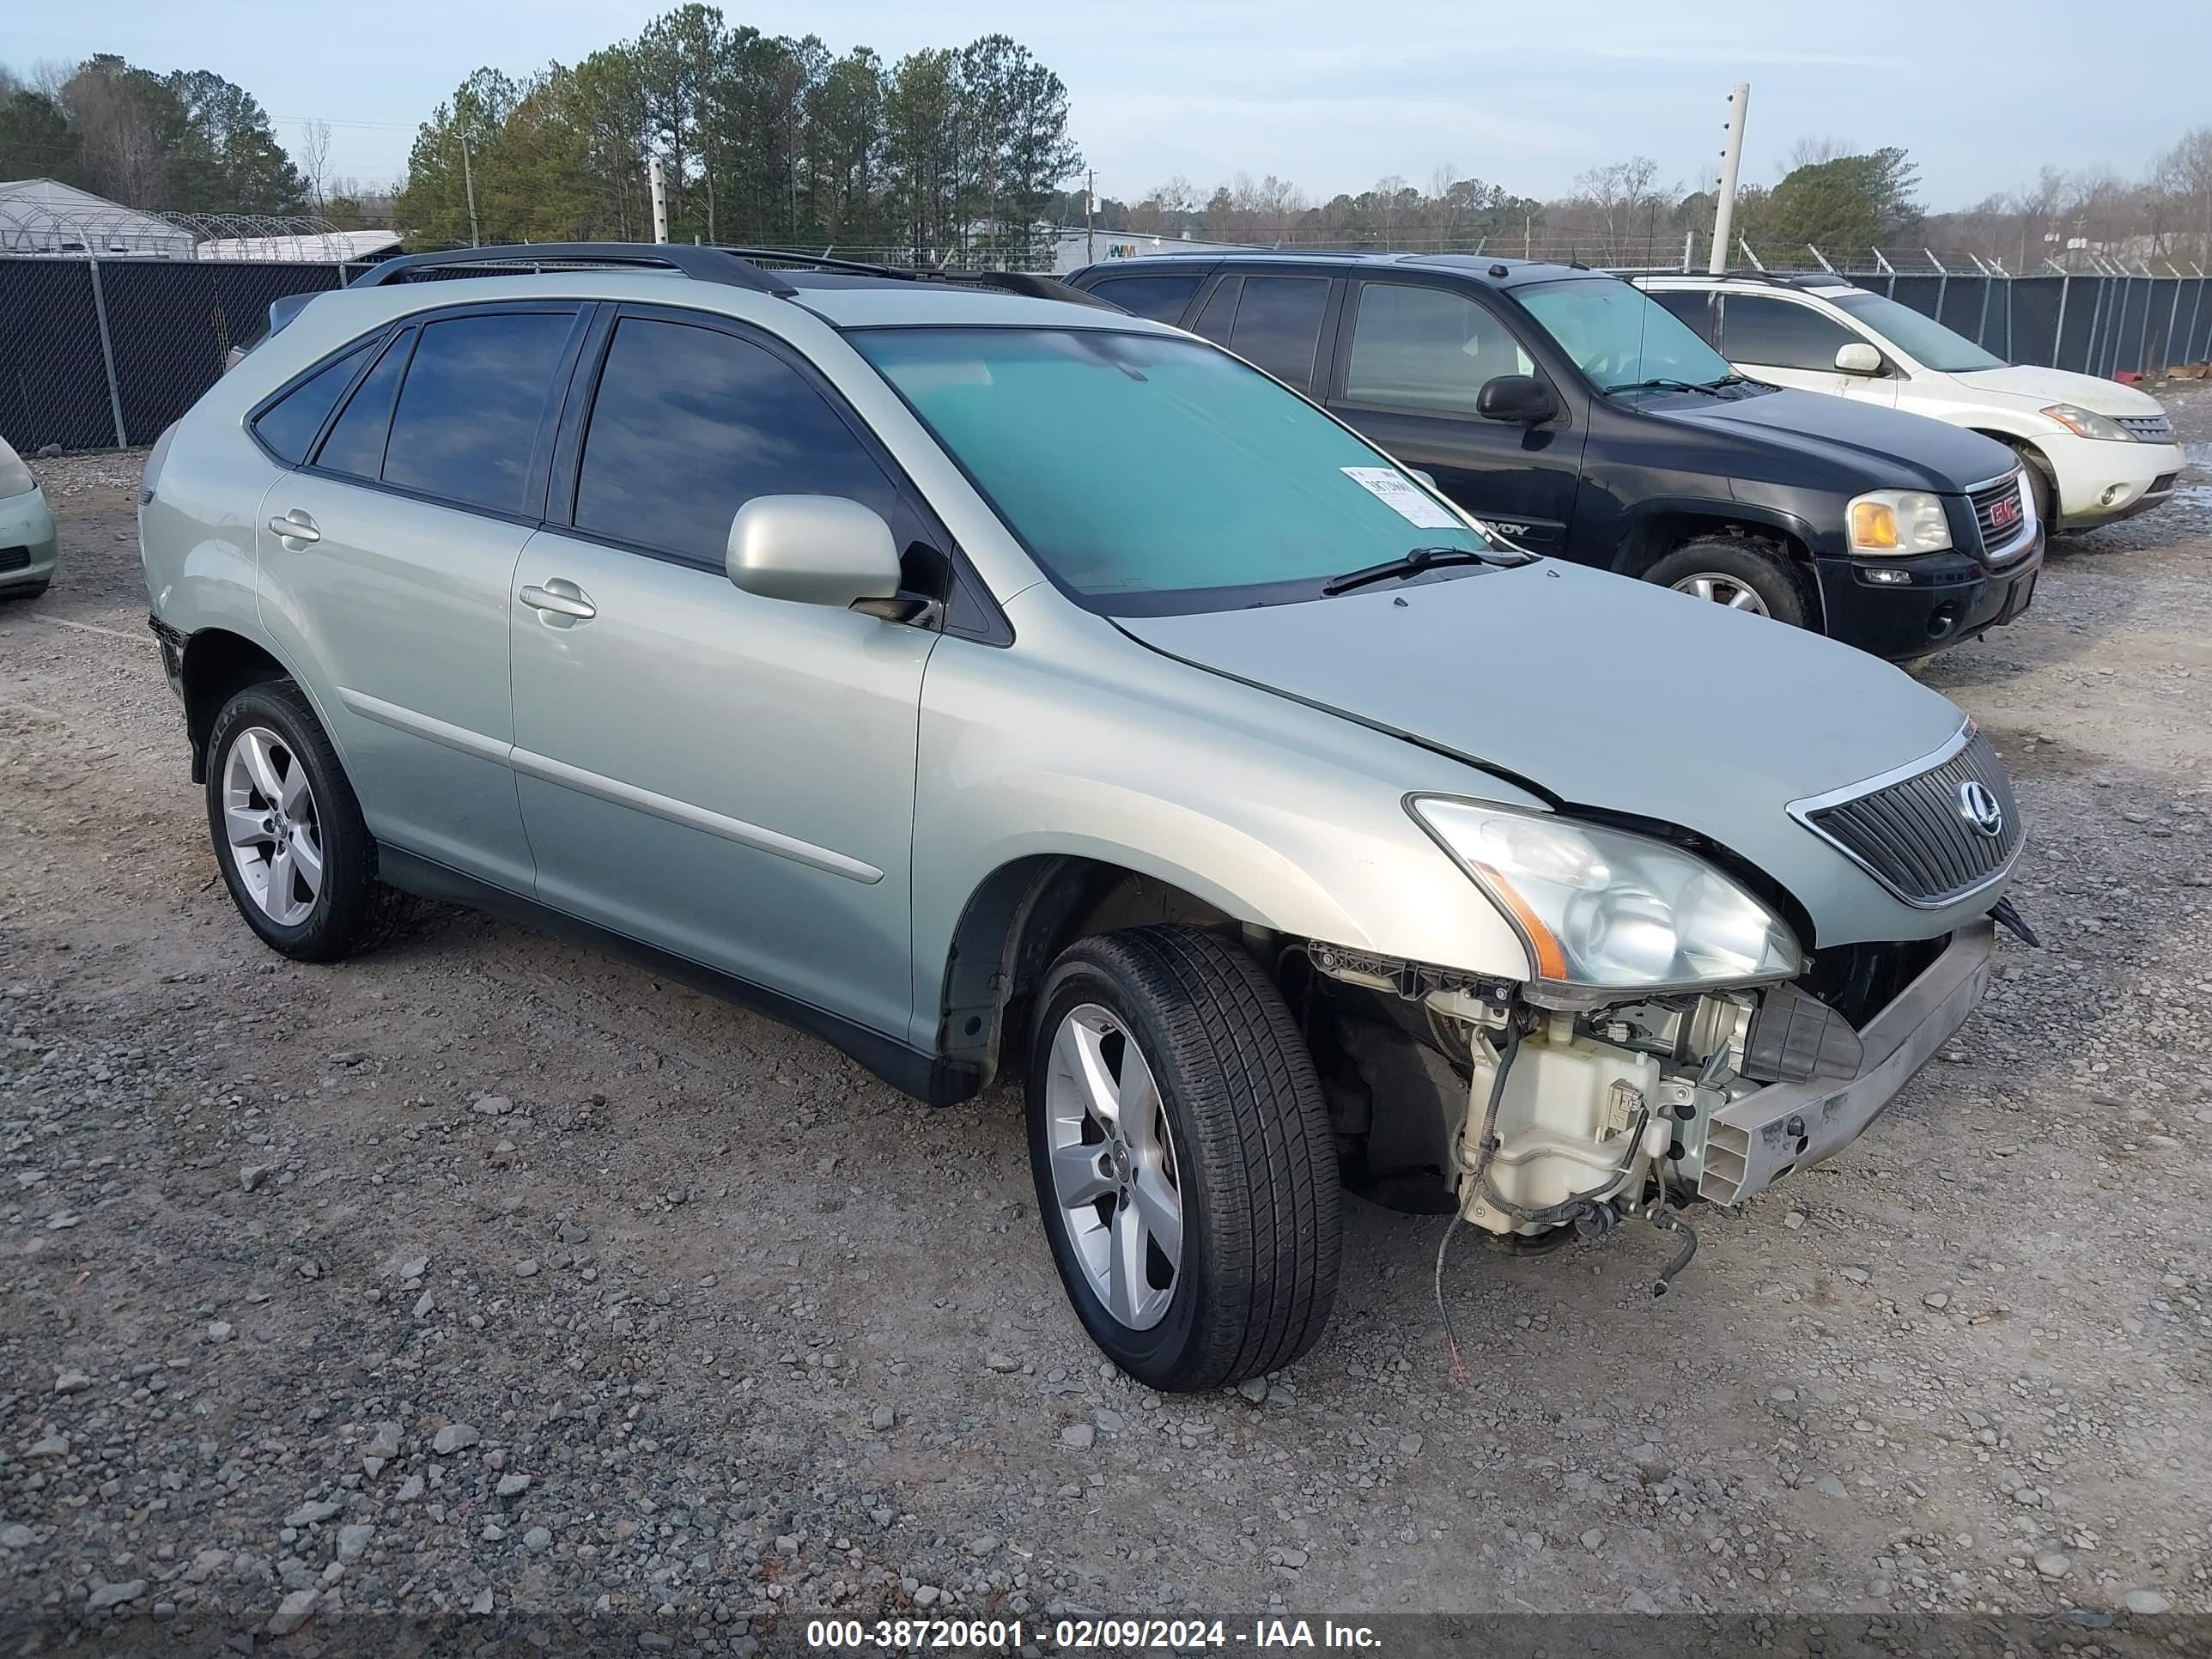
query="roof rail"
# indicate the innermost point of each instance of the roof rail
(1771, 278)
(704, 264)
(1034, 285)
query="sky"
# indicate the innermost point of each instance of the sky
(1332, 96)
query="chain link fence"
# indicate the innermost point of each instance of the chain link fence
(97, 354)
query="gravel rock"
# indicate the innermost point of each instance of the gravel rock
(2053, 1563)
(309, 1514)
(513, 1486)
(293, 1611)
(2147, 1603)
(111, 1596)
(71, 1383)
(537, 1540)
(454, 1436)
(1080, 1436)
(354, 1541)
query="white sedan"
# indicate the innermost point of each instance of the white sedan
(2097, 451)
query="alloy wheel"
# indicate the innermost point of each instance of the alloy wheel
(1114, 1170)
(270, 823)
(1723, 590)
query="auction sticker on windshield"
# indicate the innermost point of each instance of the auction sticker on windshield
(1412, 503)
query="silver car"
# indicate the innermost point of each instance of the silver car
(27, 531)
(1008, 690)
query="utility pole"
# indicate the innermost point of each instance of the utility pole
(660, 199)
(468, 184)
(1731, 162)
(1090, 206)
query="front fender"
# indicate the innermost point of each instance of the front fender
(1279, 815)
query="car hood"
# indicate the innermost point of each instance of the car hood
(2062, 385)
(1610, 695)
(1893, 450)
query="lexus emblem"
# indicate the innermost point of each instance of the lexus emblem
(1979, 806)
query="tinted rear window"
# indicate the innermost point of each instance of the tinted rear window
(1160, 296)
(468, 415)
(1220, 311)
(356, 446)
(288, 426)
(1279, 325)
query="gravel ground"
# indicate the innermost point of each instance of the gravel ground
(489, 1276)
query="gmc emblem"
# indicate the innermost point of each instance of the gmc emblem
(2005, 513)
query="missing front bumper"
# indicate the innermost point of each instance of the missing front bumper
(1756, 1140)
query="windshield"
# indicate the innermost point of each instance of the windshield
(1922, 338)
(1618, 335)
(1150, 474)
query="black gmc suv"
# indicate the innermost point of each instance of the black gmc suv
(1566, 409)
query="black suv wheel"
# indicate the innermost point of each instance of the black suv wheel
(1741, 574)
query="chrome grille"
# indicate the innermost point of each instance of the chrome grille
(1987, 500)
(1915, 835)
(2150, 428)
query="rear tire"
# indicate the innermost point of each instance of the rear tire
(1733, 570)
(289, 837)
(1212, 1128)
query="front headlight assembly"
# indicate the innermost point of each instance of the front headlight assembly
(2087, 423)
(1898, 521)
(1605, 909)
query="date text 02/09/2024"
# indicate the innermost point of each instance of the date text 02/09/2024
(1083, 1635)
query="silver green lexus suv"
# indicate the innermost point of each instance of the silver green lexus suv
(1008, 690)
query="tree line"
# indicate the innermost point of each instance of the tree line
(960, 154)
(949, 155)
(1829, 194)
(188, 141)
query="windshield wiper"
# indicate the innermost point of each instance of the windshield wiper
(1415, 559)
(1710, 391)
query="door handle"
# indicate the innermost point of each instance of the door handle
(295, 526)
(562, 603)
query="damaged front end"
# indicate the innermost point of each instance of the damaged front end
(1526, 1112)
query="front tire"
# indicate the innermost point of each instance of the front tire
(1184, 1165)
(2042, 491)
(1738, 573)
(299, 862)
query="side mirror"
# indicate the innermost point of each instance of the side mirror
(1858, 358)
(1517, 399)
(812, 549)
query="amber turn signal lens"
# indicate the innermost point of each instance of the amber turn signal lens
(1874, 524)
